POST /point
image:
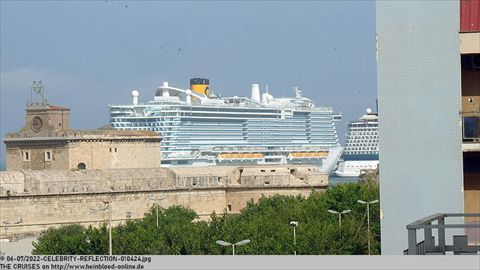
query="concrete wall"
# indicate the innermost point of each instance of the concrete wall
(43, 199)
(42, 212)
(419, 97)
(52, 119)
(16, 162)
(39, 213)
(114, 155)
(12, 183)
(98, 154)
(237, 199)
(470, 43)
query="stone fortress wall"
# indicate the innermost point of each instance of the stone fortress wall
(56, 176)
(38, 200)
(95, 149)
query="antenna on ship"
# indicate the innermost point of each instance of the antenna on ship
(297, 92)
(266, 97)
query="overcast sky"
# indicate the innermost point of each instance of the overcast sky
(93, 53)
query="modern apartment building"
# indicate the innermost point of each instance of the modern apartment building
(419, 93)
(470, 110)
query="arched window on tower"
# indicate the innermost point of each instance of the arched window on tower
(81, 166)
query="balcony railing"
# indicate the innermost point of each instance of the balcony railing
(460, 245)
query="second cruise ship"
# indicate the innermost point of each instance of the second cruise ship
(361, 149)
(201, 128)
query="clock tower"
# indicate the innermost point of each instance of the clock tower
(42, 117)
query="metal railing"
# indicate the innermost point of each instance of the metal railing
(427, 246)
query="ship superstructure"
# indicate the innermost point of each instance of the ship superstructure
(361, 148)
(200, 128)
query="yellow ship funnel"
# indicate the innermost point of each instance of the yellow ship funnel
(201, 86)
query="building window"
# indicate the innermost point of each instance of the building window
(26, 155)
(229, 207)
(48, 155)
(81, 166)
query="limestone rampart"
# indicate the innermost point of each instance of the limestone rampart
(38, 200)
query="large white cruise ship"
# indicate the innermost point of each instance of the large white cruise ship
(201, 128)
(361, 148)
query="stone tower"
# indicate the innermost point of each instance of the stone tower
(41, 117)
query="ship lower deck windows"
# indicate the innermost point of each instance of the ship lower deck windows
(272, 160)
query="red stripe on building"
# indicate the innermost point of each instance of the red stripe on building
(469, 15)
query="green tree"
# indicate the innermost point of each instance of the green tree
(265, 223)
(70, 239)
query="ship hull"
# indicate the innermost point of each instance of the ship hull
(353, 168)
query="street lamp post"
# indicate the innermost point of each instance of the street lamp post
(294, 225)
(368, 219)
(158, 204)
(227, 244)
(339, 215)
(109, 208)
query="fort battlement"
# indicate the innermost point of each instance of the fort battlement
(51, 198)
(56, 176)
